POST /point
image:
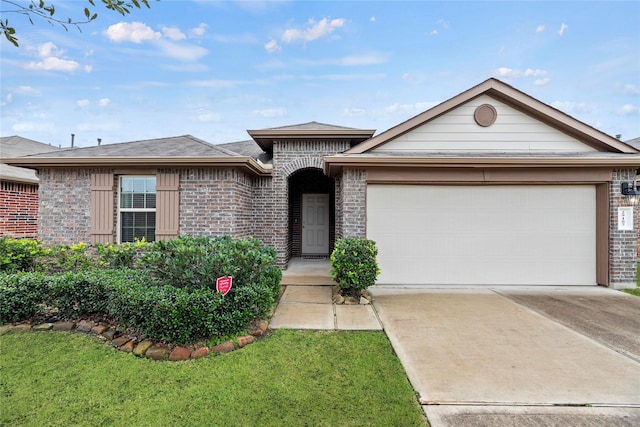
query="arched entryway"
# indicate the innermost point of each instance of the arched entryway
(311, 213)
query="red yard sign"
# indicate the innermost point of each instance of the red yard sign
(223, 284)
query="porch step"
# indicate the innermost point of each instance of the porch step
(302, 271)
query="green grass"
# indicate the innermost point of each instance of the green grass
(292, 378)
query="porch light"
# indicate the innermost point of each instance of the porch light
(631, 193)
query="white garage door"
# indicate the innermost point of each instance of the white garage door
(487, 235)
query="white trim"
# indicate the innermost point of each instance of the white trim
(120, 209)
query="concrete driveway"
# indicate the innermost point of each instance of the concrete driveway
(517, 356)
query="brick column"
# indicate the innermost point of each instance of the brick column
(623, 244)
(354, 203)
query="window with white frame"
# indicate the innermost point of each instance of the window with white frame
(137, 208)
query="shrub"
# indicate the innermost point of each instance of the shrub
(353, 263)
(122, 255)
(196, 262)
(21, 295)
(19, 254)
(62, 258)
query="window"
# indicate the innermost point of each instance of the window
(137, 208)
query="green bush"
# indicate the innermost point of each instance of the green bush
(122, 255)
(353, 263)
(22, 295)
(146, 299)
(71, 258)
(196, 262)
(19, 254)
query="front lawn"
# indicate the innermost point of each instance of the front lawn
(292, 378)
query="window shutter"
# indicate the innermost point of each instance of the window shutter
(167, 202)
(102, 208)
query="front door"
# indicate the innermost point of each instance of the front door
(315, 224)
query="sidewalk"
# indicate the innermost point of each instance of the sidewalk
(310, 307)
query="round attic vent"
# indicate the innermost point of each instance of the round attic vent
(485, 115)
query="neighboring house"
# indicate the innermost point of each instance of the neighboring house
(491, 187)
(19, 189)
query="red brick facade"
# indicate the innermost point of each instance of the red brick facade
(18, 210)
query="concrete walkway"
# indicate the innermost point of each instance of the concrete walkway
(307, 303)
(310, 307)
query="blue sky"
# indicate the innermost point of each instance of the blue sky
(213, 69)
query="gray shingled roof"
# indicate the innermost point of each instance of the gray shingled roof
(247, 148)
(635, 143)
(312, 126)
(177, 146)
(17, 146)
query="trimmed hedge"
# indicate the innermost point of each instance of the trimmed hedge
(146, 299)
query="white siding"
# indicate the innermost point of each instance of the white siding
(512, 132)
(483, 235)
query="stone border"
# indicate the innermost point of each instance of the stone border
(144, 348)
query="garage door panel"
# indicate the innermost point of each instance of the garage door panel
(507, 235)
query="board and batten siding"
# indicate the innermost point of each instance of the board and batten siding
(101, 208)
(457, 131)
(167, 205)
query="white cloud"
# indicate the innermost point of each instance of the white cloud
(83, 102)
(433, 32)
(26, 91)
(135, 32)
(628, 110)
(173, 33)
(353, 112)
(271, 112)
(272, 46)
(199, 30)
(98, 126)
(348, 61)
(54, 64)
(562, 29)
(571, 107)
(631, 89)
(184, 52)
(539, 28)
(534, 73)
(104, 102)
(88, 68)
(9, 98)
(208, 117)
(372, 19)
(443, 23)
(541, 82)
(313, 31)
(505, 72)
(412, 109)
(50, 60)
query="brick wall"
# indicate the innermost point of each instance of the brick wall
(289, 157)
(354, 203)
(623, 245)
(215, 202)
(18, 210)
(65, 205)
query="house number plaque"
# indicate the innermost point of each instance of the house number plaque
(625, 218)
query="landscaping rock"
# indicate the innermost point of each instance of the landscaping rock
(43, 327)
(157, 352)
(351, 301)
(142, 347)
(4, 329)
(260, 328)
(180, 353)
(85, 326)
(245, 340)
(120, 341)
(22, 327)
(99, 329)
(338, 299)
(128, 346)
(200, 352)
(63, 326)
(109, 334)
(225, 347)
(364, 301)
